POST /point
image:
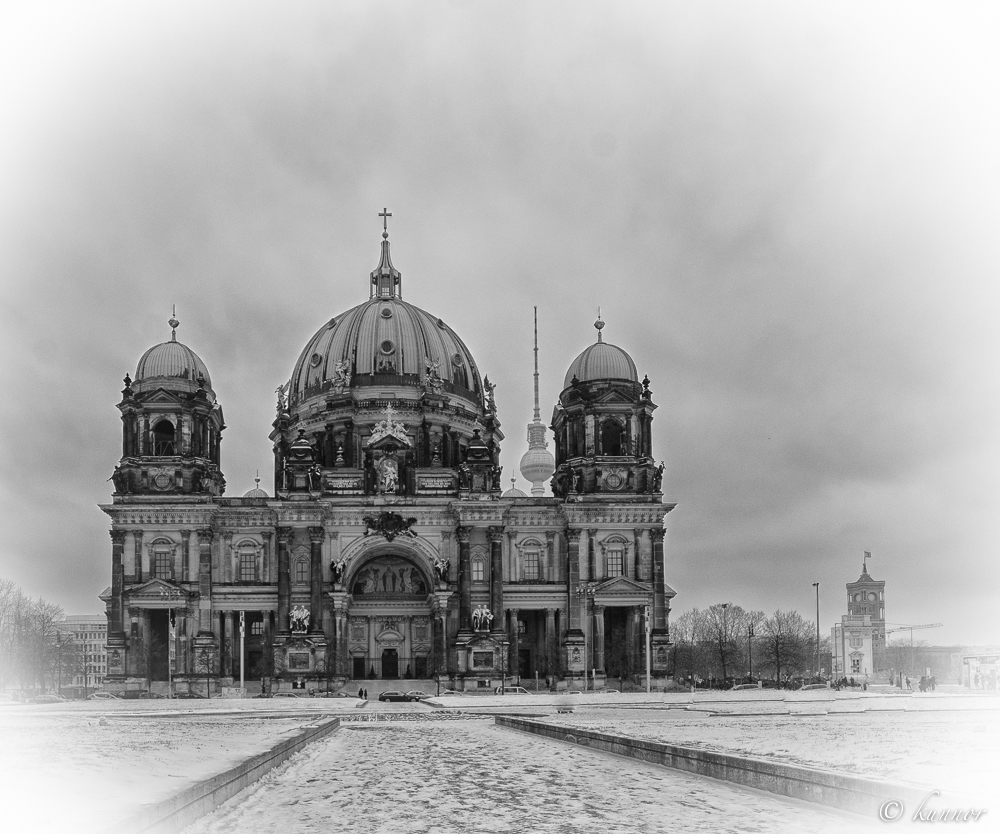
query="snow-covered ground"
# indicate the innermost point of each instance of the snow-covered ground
(471, 776)
(82, 770)
(954, 751)
(83, 766)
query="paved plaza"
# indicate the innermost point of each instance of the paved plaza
(442, 776)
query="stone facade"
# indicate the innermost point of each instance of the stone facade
(387, 549)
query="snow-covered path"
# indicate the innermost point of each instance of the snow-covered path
(472, 776)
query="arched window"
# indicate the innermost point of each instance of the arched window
(615, 551)
(162, 559)
(530, 557)
(163, 438)
(246, 561)
(612, 435)
(301, 574)
(478, 570)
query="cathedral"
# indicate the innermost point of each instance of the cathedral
(388, 548)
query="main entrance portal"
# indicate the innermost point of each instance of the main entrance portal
(390, 623)
(390, 664)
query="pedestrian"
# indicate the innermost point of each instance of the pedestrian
(361, 692)
(366, 693)
(908, 683)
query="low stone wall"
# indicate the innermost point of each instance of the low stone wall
(171, 815)
(839, 790)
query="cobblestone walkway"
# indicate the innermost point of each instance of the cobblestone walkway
(471, 776)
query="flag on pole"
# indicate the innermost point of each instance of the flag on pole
(868, 555)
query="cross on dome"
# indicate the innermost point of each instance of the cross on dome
(385, 214)
(173, 324)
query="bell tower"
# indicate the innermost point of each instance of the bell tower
(171, 425)
(602, 425)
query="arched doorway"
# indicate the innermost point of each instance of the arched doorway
(390, 630)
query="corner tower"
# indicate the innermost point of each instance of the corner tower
(602, 426)
(171, 425)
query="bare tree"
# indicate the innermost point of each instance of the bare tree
(785, 642)
(725, 623)
(690, 645)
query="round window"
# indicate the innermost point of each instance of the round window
(387, 347)
(315, 359)
(456, 360)
(386, 313)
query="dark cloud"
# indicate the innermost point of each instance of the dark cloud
(786, 215)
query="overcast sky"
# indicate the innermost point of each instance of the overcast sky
(787, 213)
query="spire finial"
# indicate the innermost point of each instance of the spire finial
(537, 412)
(599, 324)
(385, 214)
(256, 480)
(173, 324)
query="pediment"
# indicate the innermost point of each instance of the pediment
(613, 396)
(160, 396)
(157, 593)
(621, 586)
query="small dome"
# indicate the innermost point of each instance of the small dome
(602, 361)
(256, 492)
(170, 362)
(514, 492)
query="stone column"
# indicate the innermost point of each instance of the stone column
(637, 543)
(513, 563)
(316, 537)
(551, 642)
(282, 627)
(205, 582)
(141, 566)
(496, 577)
(464, 579)
(659, 597)
(592, 574)
(598, 638)
(227, 644)
(340, 660)
(514, 635)
(184, 572)
(573, 577)
(550, 574)
(116, 630)
(335, 550)
(227, 558)
(446, 553)
(268, 647)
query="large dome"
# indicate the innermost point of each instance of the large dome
(385, 342)
(601, 361)
(171, 365)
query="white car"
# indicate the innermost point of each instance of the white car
(511, 690)
(102, 696)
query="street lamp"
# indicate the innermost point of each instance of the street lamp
(503, 666)
(171, 595)
(816, 586)
(649, 631)
(725, 640)
(587, 591)
(750, 636)
(242, 651)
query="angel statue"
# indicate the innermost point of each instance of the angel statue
(282, 402)
(298, 619)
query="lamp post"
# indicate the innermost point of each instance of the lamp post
(171, 595)
(242, 651)
(503, 666)
(750, 636)
(587, 590)
(649, 631)
(725, 641)
(816, 586)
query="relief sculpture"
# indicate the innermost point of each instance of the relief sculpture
(389, 575)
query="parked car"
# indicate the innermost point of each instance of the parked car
(288, 695)
(188, 695)
(393, 695)
(451, 692)
(48, 698)
(511, 690)
(573, 692)
(417, 695)
(102, 696)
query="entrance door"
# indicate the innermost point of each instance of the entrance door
(524, 663)
(358, 672)
(390, 664)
